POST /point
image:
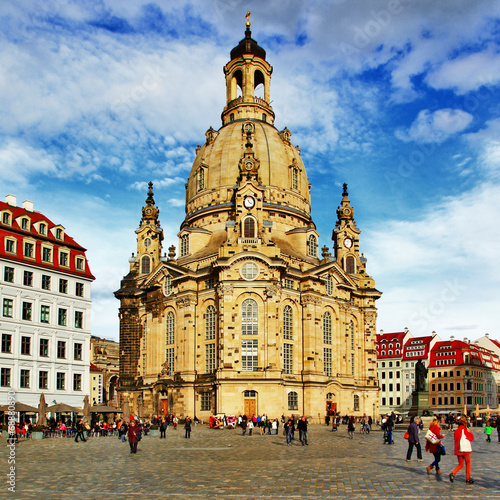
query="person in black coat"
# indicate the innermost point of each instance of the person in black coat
(413, 440)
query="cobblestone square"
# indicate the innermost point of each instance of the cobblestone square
(223, 464)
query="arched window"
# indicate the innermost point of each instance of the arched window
(312, 246)
(170, 329)
(249, 317)
(330, 396)
(295, 178)
(356, 402)
(350, 264)
(145, 265)
(327, 328)
(293, 401)
(184, 245)
(201, 179)
(249, 227)
(210, 323)
(288, 323)
(329, 285)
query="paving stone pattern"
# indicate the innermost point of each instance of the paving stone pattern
(223, 464)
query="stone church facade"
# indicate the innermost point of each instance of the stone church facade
(248, 317)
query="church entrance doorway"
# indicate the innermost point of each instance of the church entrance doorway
(164, 407)
(250, 403)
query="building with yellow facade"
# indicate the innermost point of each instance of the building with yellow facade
(248, 318)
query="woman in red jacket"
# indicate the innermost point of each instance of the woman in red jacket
(463, 449)
(433, 448)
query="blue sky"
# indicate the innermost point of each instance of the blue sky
(398, 98)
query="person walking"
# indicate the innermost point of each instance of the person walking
(302, 426)
(244, 425)
(79, 431)
(163, 428)
(122, 431)
(134, 435)
(289, 431)
(434, 447)
(463, 449)
(350, 427)
(187, 428)
(250, 427)
(413, 440)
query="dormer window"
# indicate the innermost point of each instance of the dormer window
(312, 246)
(59, 234)
(42, 229)
(63, 259)
(201, 179)
(184, 245)
(80, 264)
(10, 246)
(6, 218)
(295, 178)
(25, 224)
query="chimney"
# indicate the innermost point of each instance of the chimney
(28, 205)
(381, 332)
(406, 329)
(11, 200)
(487, 335)
(466, 339)
(452, 338)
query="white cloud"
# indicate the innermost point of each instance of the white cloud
(436, 126)
(468, 72)
(487, 143)
(441, 271)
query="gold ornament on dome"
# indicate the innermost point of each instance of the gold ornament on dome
(247, 15)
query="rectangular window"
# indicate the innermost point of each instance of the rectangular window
(288, 358)
(209, 284)
(79, 289)
(25, 346)
(205, 401)
(43, 380)
(61, 349)
(78, 319)
(6, 343)
(391, 387)
(353, 365)
(8, 274)
(46, 254)
(383, 401)
(5, 377)
(29, 250)
(27, 311)
(6, 218)
(79, 263)
(249, 355)
(62, 317)
(210, 358)
(63, 286)
(383, 387)
(327, 354)
(288, 283)
(77, 350)
(45, 282)
(459, 400)
(44, 314)
(60, 381)
(77, 382)
(7, 307)
(458, 386)
(144, 363)
(44, 347)
(25, 379)
(63, 259)
(170, 360)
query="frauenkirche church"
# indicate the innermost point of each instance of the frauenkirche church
(248, 318)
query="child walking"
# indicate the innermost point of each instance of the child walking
(487, 431)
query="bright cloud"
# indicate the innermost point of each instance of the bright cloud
(436, 126)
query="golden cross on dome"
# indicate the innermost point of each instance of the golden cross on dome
(247, 15)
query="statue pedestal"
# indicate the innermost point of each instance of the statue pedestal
(419, 403)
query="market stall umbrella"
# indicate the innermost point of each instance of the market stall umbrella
(18, 406)
(42, 410)
(63, 408)
(126, 408)
(104, 409)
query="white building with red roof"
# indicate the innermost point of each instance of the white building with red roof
(46, 307)
(415, 348)
(389, 368)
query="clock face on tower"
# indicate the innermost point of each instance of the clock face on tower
(249, 202)
(348, 243)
